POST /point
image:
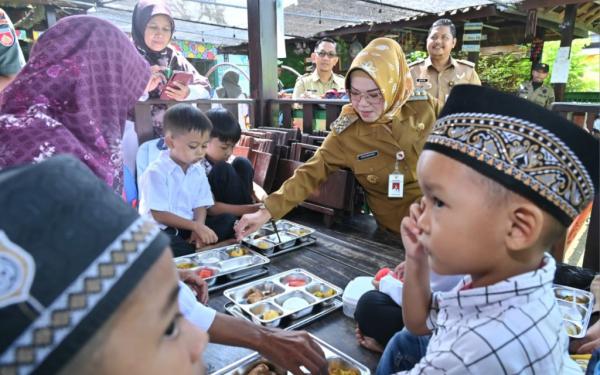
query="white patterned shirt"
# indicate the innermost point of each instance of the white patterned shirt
(164, 187)
(511, 327)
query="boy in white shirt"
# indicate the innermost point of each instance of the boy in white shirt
(174, 190)
(502, 178)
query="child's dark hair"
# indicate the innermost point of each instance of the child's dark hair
(225, 125)
(184, 118)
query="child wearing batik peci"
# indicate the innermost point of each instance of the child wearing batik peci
(94, 292)
(502, 178)
(174, 190)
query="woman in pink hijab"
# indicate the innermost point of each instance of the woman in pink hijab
(73, 96)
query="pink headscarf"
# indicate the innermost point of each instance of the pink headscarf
(73, 96)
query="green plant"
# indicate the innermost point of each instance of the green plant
(416, 55)
(503, 72)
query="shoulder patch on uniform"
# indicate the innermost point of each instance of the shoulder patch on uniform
(343, 122)
(467, 62)
(416, 62)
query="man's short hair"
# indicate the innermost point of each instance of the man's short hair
(325, 40)
(444, 22)
(225, 125)
(184, 118)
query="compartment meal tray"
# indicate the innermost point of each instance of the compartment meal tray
(226, 283)
(290, 325)
(285, 296)
(576, 308)
(225, 265)
(242, 366)
(290, 236)
(309, 241)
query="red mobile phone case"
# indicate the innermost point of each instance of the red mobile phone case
(182, 77)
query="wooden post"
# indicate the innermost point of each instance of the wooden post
(473, 57)
(566, 37)
(262, 39)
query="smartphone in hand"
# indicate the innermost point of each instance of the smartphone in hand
(178, 76)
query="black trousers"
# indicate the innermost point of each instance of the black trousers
(179, 244)
(378, 316)
(232, 184)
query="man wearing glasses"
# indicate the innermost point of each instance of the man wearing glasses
(439, 72)
(322, 79)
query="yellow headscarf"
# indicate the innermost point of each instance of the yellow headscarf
(383, 60)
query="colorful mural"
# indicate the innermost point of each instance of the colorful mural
(193, 50)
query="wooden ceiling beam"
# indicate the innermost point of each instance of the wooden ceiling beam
(591, 16)
(580, 28)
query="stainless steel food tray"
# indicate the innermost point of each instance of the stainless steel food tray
(292, 235)
(227, 283)
(227, 264)
(576, 307)
(289, 324)
(333, 355)
(292, 294)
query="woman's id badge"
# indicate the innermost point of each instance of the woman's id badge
(396, 185)
(396, 179)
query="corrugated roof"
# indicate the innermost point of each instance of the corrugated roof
(223, 22)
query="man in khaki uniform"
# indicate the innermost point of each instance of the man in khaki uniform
(439, 72)
(535, 90)
(322, 79)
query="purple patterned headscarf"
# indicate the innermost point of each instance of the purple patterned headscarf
(83, 77)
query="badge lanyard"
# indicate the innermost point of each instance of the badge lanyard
(396, 179)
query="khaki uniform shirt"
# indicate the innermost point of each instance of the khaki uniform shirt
(544, 95)
(311, 82)
(439, 84)
(370, 152)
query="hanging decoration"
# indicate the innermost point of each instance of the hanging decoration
(194, 50)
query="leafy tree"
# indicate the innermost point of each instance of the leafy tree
(503, 72)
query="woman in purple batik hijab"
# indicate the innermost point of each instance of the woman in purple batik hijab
(152, 28)
(73, 96)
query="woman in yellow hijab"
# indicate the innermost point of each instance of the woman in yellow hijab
(379, 136)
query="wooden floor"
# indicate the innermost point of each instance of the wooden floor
(352, 247)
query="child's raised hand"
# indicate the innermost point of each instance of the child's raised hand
(410, 232)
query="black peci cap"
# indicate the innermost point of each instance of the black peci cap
(71, 251)
(526, 148)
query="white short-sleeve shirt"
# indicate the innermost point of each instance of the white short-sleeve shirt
(164, 187)
(198, 314)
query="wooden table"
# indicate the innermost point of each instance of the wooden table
(338, 261)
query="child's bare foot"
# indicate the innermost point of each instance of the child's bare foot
(368, 342)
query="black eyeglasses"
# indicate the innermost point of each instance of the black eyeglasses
(324, 53)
